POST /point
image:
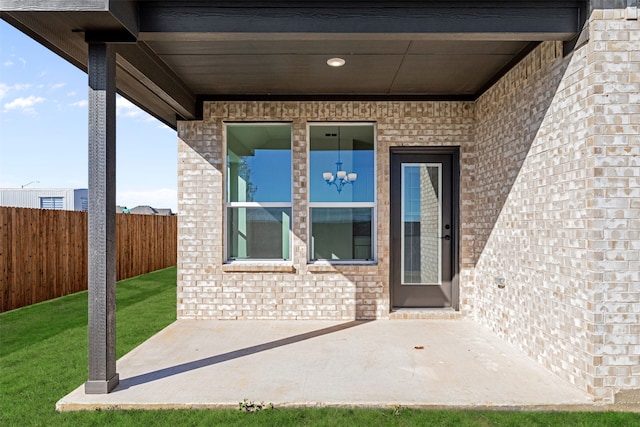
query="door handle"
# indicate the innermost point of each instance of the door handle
(447, 237)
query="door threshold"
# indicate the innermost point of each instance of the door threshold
(446, 313)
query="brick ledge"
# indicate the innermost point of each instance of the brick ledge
(258, 268)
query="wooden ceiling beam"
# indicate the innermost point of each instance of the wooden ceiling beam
(143, 64)
(545, 20)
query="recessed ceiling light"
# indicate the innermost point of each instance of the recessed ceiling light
(335, 62)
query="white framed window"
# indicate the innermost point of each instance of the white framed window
(342, 193)
(258, 191)
(52, 203)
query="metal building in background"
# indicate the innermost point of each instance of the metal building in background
(69, 199)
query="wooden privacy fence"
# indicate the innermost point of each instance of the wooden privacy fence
(43, 253)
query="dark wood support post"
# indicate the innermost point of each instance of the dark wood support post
(102, 219)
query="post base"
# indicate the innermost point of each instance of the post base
(101, 387)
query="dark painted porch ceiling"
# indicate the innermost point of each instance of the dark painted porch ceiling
(375, 67)
(173, 54)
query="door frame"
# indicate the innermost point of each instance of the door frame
(454, 152)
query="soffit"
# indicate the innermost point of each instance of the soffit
(373, 67)
(186, 51)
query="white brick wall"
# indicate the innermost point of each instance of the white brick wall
(614, 62)
(532, 209)
(550, 190)
(558, 219)
(209, 289)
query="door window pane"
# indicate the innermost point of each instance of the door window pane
(259, 163)
(341, 233)
(421, 223)
(259, 233)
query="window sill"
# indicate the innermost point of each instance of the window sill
(327, 267)
(241, 267)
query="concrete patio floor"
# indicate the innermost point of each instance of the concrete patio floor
(413, 363)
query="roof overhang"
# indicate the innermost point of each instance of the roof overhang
(171, 55)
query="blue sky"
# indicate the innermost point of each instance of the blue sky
(43, 129)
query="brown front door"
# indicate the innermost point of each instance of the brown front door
(424, 188)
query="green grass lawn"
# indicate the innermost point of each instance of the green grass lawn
(43, 356)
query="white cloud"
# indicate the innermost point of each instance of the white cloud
(5, 89)
(125, 108)
(11, 62)
(72, 93)
(24, 104)
(57, 86)
(160, 198)
(81, 104)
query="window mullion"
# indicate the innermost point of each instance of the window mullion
(259, 204)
